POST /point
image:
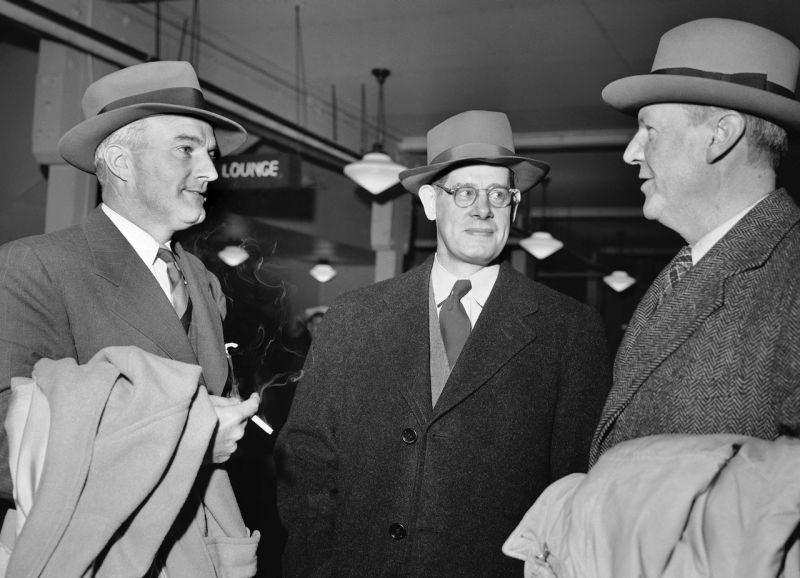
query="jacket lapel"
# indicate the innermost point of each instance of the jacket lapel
(653, 336)
(406, 307)
(134, 293)
(501, 331)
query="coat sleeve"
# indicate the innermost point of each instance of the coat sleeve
(306, 455)
(33, 325)
(583, 387)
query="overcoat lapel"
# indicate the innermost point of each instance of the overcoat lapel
(502, 330)
(206, 332)
(135, 295)
(655, 335)
(406, 306)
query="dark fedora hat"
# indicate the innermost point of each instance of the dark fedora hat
(475, 137)
(139, 91)
(718, 62)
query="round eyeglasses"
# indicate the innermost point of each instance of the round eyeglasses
(465, 195)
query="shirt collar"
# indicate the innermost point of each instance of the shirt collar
(703, 246)
(141, 241)
(482, 282)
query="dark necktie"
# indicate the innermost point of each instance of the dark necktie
(177, 283)
(454, 322)
(677, 269)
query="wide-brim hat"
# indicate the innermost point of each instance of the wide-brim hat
(718, 62)
(136, 92)
(475, 137)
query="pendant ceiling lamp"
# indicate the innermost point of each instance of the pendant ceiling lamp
(233, 255)
(619, 281)
(322, 272)
(376, 171)
(541, 244)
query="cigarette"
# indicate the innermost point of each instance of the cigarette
(262, 424)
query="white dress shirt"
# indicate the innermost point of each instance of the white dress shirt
(703, 246)
(473, 302)
(144, 245)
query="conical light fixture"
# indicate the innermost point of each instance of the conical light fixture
(619, 281)
(322, 272)
(233, 255)
(541, 244)
(376, 171)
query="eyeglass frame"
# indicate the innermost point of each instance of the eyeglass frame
(514, 194)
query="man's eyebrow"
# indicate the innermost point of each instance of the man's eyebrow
(191, 138)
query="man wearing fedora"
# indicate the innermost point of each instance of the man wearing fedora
(118, 279)
(437, 405)
(714, 345)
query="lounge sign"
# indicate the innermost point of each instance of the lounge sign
(257, 171)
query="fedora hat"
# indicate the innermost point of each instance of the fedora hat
(718, 62)
(472, 138)
(139, 91)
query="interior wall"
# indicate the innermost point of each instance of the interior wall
(23, 185)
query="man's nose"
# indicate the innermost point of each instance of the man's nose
(633, 152)
(482, 208)
(206, 169)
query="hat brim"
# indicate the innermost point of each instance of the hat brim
(631, 93)
(78, 145)
(527, 172)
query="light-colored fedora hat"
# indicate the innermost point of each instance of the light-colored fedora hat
(719, 62)
(472, 138)
(139, 91)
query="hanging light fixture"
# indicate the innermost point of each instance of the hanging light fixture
(322, 272)
(376, 171)
(233, 255)
(541, 244)
(619, 281)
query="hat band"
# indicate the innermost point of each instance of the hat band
(751, 79)
(181, 96)
(471, 150)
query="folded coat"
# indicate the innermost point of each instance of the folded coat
(122, 479)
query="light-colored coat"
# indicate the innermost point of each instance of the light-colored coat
(126, 411)
(375, 481)
(722, 352)
(73, 292)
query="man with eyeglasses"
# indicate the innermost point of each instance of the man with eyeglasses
(436, 406)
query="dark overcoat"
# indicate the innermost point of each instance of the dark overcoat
(722, 352)
(71, 293)
(375, 482)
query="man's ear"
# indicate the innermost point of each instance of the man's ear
(427, 194)
(118, 161)
(728, 130)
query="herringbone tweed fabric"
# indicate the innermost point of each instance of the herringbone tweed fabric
(722, 352)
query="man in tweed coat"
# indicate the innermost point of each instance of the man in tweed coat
(716, 349)
(396, 461)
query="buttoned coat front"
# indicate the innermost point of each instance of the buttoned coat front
(722, 352)
(374, 481)
(71, 293)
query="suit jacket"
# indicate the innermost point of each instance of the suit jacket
(374, 481)
(73, 292)
(722, 353)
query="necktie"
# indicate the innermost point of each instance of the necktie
(677, 269)
(177, 282)
(453, 321)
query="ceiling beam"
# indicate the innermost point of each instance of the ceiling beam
(540, 141)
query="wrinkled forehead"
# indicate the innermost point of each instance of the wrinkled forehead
(481, 175)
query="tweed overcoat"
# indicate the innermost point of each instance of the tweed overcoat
(374, 481)
(71, 293)
(722, 352)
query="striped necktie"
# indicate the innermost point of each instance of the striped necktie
(178, 288)
(454, 322)
(677, 269)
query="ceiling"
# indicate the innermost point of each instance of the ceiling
(543, 62)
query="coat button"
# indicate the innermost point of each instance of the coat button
(409, 435)
(397, 531)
